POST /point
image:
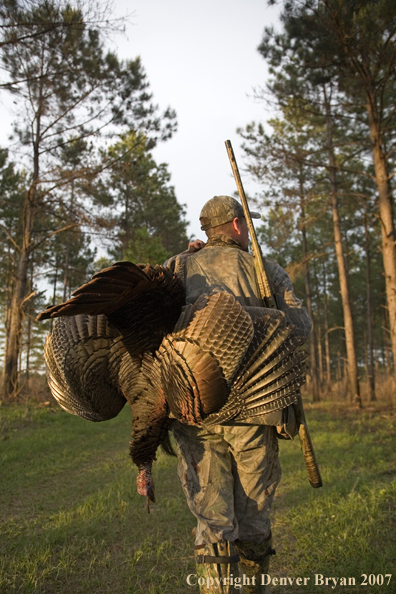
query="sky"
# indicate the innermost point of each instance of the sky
(201, 59)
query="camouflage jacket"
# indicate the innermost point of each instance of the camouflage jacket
(222, 265)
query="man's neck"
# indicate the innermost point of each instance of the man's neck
(221, 239)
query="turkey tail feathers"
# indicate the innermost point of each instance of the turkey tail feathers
(218, 365)
(268, 378)
(192, 380)
(202, 355)
(83, 356)
(221, 327)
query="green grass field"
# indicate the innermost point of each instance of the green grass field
(72, 523)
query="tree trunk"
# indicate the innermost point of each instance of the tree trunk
(319, 332)
(326, 327)
(10, 379)
(370, 348)
(66, 269)
(10, 383)
(66, 281)
(339, 374)
(320, 360)
(7, 292)
(385, 334)
(386, 214)
(313, 358)
(29, 330)
(376, 357)
(348, 322)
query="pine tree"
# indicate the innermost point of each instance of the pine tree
(69, 88)
(149, 220)
(353, 44)
(11, 201)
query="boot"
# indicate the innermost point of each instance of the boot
(254, 561)
(217, 567)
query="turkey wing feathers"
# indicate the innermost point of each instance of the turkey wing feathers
(141, 301)
(280, 400)
(111, 288)
(269, 360)
(272, 339)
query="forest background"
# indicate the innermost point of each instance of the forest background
(81, 173)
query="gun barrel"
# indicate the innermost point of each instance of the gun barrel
(269, 300)
(261, 274)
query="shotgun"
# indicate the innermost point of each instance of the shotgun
(269, 300)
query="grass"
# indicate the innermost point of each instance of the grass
(72, 523)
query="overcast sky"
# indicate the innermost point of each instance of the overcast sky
(201, 59)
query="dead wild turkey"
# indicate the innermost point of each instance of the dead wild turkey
(125, 336)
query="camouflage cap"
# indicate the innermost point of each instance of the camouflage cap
(222, 209)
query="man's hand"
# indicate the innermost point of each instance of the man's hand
(195, 246)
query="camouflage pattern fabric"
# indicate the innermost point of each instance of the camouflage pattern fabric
(229, 475)
(217, 578)
(223, 266)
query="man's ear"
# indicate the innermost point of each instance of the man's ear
(236, 225)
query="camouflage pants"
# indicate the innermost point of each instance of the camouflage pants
(229, 475)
